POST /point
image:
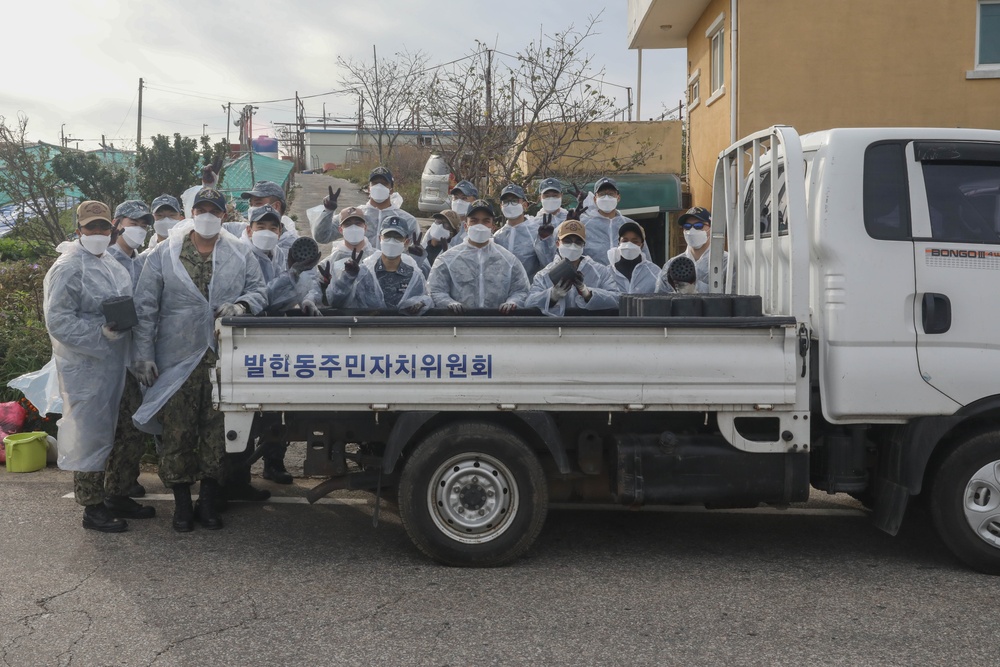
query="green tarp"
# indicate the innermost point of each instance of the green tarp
(237, 176)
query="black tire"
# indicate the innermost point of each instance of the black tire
(965, 502)
(473, 495)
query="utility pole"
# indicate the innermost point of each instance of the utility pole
(228, 108)
(138, 127)
(204, 127)
(628, 91)
(638, 90)
(489, 84)
(324, 115)
(62, 135)
(513, 109)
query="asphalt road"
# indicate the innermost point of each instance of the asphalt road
(286, 583)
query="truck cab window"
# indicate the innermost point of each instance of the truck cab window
(963, 201)
(885, 193)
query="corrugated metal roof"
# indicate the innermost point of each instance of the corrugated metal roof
(236, 176)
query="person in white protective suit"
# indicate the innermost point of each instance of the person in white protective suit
(199, 273)
(353, 242)
(463, 195)
(478, 273)
(604, 222)
(389, 278)
(551, 215)
(383, 203)
(266, 193)
(519, 233)
(633, 273)
(167, 213)
(589, 287)
(90, 355)
(697, 226)
(287, 286)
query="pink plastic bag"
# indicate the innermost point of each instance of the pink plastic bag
(12, 417)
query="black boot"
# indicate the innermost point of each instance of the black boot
(98, 517)
(244, 491)
(208, 515)
(137, 490)
(183, 511)
(124, 507)
(274, 470)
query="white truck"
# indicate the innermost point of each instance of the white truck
(856, 352)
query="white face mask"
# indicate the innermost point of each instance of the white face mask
(438, 232)
(570, 251)
(460, 206)
(512, 211)
(207, 225)
(378, 192)
(134, 236)
(480, 233)
(392, 248)
(629, 250)
(551, 204)
(695, 238)
(95, 244)
(264, 239)
(354, 234)
(163, 226)
(607, 203)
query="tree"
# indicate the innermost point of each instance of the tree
(100, 180)
(389, 91)
(30, 184)
(536, 113)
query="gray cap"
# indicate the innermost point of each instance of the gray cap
(380, 172)
(513, 189)
(606, 182)
(265, 211)
(481, 205)
(134, 209)
(265, 189)
(466, 188)
(395, 224)
(166, 200)
(549, 184)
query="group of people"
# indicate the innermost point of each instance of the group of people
(121, 381)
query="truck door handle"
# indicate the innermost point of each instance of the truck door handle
(937, 313)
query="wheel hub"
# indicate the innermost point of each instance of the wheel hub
(472, 498)
(982, 503)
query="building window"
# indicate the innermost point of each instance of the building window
(988, 35)
(716, 35)
(718, 55)
(694, 90)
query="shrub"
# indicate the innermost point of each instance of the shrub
(24, 343)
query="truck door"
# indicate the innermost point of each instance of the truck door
(955, 196)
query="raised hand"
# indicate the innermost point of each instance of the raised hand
(546, 229)
(353, 265)
(330, 201)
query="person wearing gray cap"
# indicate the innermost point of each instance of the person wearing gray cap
(478, 273)
(603, 224)
(267, 193)
(287, 286)
(167, 212)
(132, 223)
(383, 203)
(518, 234)
(198, 274)
(462, 196)
(551, 215)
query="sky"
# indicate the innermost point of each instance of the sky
(74, 65)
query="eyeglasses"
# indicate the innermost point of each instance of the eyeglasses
(693, 225)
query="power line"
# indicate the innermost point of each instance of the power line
(127, 113)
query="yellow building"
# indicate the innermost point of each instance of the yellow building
(817, 64)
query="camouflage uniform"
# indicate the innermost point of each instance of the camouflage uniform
(88, 487)
(130, 443)
(193, 431)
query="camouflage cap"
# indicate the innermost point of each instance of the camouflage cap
(513, 189)
(265, 189)
(165, 200)
(134, 209)
(571, 228)
(349, 212)
(481, 205)
(466, 189)
(394, 224)
(266, 211)
(89, 211)
(380, 172)
(211, 196)
(549, 184)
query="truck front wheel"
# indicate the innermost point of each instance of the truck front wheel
(473, 494)
(965, 502)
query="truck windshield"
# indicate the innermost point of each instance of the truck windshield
(964, 200)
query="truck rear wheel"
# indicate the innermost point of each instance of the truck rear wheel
(473, 494)
(965, 502)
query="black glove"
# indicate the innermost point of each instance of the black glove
(416, 250)
(330, 202)
(353, 265)
(545, 230)
(325, 276)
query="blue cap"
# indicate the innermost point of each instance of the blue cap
(380, 172)
(395, 224)
(606, 182)
(166, 200)
(549, 184)
(480, 205)
(515, 190)
(265, 189)
(211, 196)
(466, 188)
(134, 209)
(265, 211)
(698, 213)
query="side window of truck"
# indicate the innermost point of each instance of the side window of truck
(885, 194)
(963, 193)
(764, 216)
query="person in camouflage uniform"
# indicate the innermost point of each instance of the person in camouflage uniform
(199, 273)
